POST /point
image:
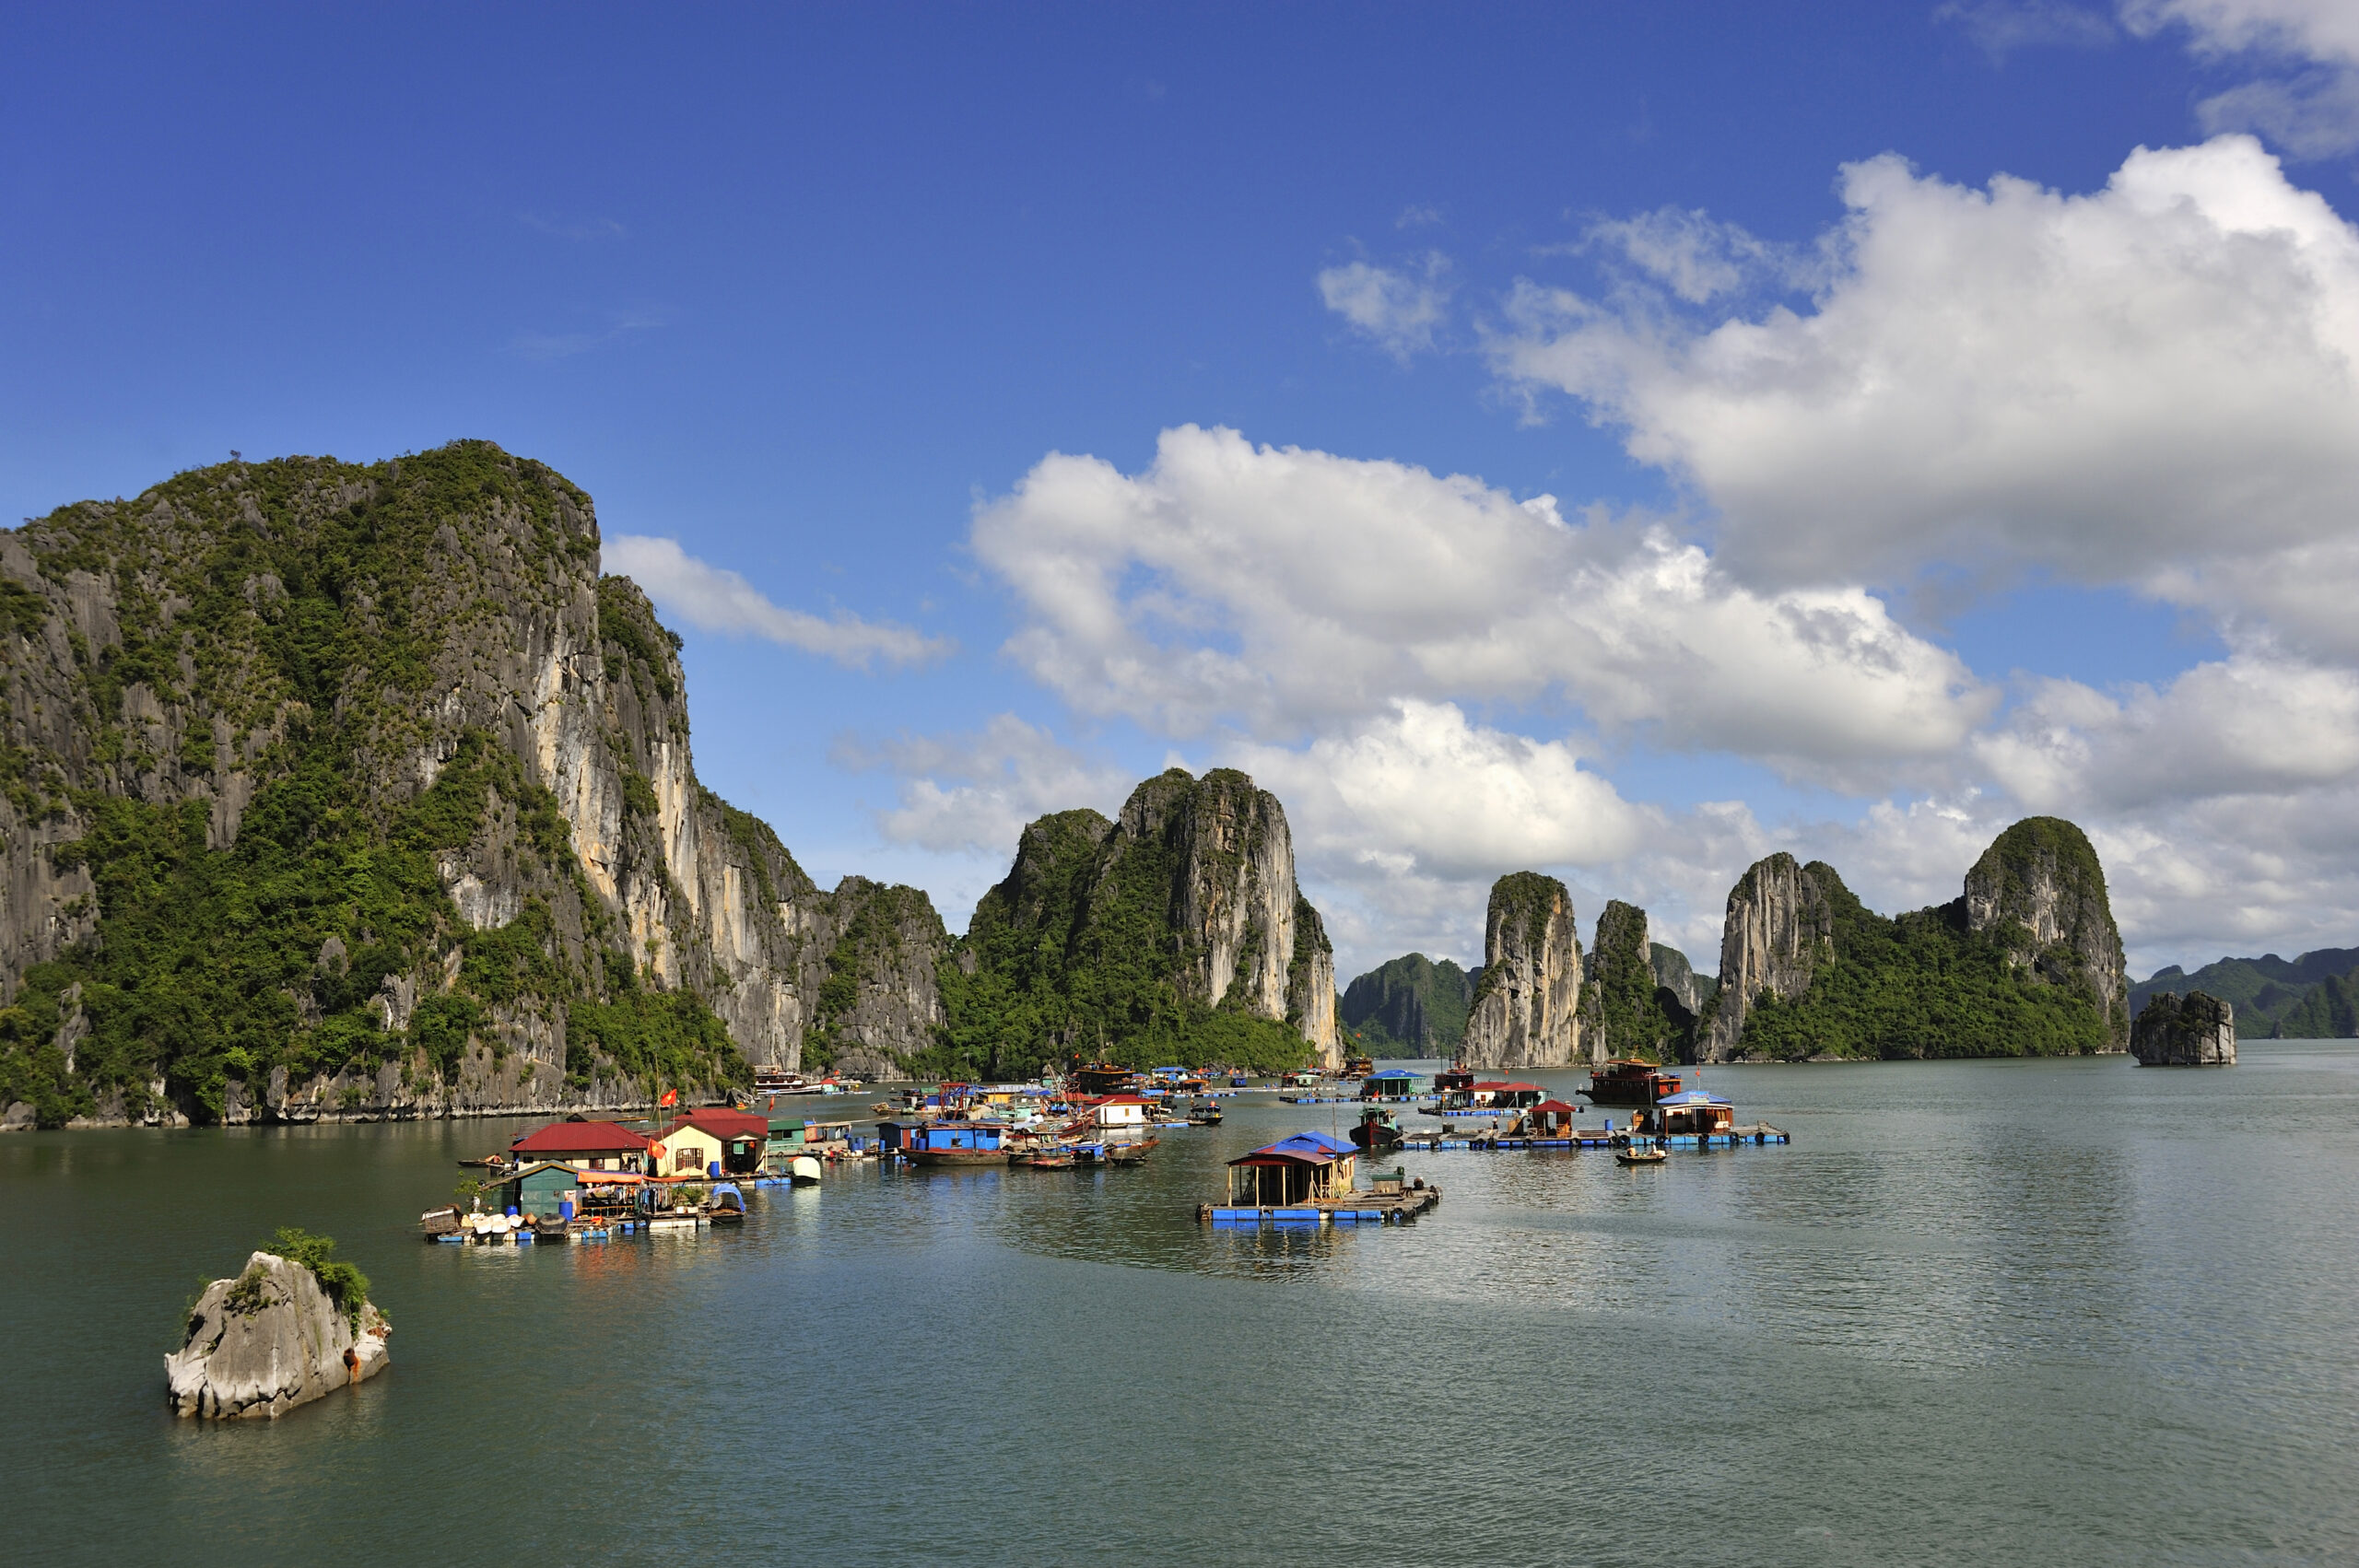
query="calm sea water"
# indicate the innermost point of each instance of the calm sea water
(1994, 1312)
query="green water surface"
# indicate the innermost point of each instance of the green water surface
(2041, 1312)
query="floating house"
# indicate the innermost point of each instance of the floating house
(544, 1190)
(1394, 1084)
(1120, 1111)
(1305, 1169)
(956, 1142)
(593, 1145)
(1102, 1078)
(1552, 1119)
(1691, 1113)
(712, 1140)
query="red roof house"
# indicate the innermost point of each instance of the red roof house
(573, 1140)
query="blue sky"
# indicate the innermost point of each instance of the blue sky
(1887, 507)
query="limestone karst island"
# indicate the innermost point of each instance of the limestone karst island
(1188, 784)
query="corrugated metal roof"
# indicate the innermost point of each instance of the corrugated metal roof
(1310, 1148)
(580, 1137)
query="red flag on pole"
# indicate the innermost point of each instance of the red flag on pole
(671, 1097)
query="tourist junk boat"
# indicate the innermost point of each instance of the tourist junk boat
(1627, 1081)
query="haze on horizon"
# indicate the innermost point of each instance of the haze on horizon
(1619, 444)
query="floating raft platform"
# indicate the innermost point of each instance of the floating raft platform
(1759, 1135)
(1354, 1209)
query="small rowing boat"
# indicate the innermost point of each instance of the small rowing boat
(1640, 1156)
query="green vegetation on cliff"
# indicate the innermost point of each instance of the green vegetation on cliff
(1412, 1005)
(1919, 984)
(296, 614)
(2271, 995)
(1630, 1012)
(1077, 953)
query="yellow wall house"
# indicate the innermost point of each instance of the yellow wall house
(695, 1143)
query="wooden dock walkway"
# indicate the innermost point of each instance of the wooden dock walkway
(1354, 1209)
(1761, 1134)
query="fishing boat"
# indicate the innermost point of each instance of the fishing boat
(1045, 1159)
(1129, 1154)
(956, 1143)
(1208, 1114)
(727, 1205)
(1377, 1131)
(804, 1170)
(1639, 1155)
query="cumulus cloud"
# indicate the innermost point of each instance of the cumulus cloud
(1697, 257)
(1287, 591)
(714, 599)
(2105, 385)
(975, 791)
(1399, 312)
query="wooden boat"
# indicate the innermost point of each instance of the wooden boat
(1377, 1131)
(440, 1223)
(1640, 1156)
(727, 1205)
(1628, 1080)
(489, 1163)
(1045, 1159)
(1129, 1154)
(1206, 1115)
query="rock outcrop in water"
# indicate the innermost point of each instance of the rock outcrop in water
(2027, 961)
(1176, 932)
(1779, 930)
(1626, 1011)
(2194, 1030)
(2040, 889)
(1527, 1001)
(335, 790)
(268, 1340)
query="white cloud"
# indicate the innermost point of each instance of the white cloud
(1287, 591)
(2002, 26)
(1399, 312)
(714, 599)
(1697, 257)
(2155, 375)
(974, 792)
(2311, 110)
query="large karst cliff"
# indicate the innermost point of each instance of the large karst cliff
(1527, 999)
(2027, 961)
(1175, 933)
(334, 789)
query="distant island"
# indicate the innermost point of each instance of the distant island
(2315, 996)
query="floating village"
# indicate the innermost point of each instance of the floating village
(590, 1180)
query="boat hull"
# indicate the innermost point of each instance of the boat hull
(957, 1156)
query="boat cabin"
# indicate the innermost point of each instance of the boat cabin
(1300, 1169)
(577, 1141)
(1394, 1084)
(1101, 1078)
(977, 1135)
(1692, 1112)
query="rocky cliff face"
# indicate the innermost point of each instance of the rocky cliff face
(388, 730)
(1528, 1000)
(1155, 927)
(1779, 930)
(1676, 975)
(2025, 963)
(2039, 888)
(2194, 1030)
(1625, 1010)
(269, 1339)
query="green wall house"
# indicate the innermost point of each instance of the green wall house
(540, 1190)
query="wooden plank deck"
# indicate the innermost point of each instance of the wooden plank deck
(1358, 1208)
